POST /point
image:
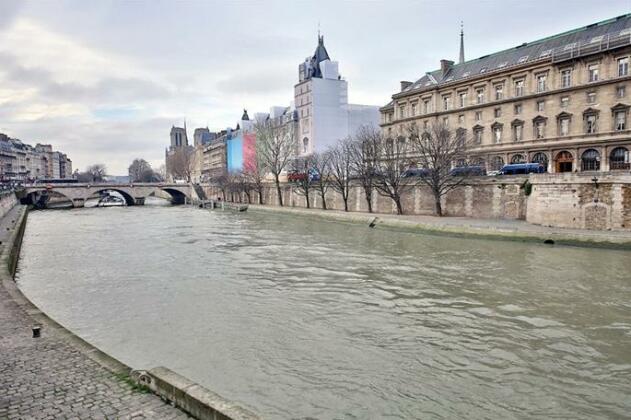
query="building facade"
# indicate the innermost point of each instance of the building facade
(321, 101)
(562, 101)
(22, 162)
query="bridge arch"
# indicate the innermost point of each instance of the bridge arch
(40, 197)
(177, 196)
(129, 199)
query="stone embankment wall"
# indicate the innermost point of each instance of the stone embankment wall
(585, 201)
(8, 200)
(572, 200)
(482, 197)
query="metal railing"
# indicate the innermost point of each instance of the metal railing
(607, 42)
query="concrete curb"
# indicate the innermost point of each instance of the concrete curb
(188, 396)
(387, 221)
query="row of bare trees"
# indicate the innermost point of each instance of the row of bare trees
(389, 166)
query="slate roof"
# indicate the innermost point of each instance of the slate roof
(589, 39)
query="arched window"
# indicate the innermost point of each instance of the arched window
(564, 161)
(497, 163)
(518, 158)
(619, 159)
(305, 145)
(590, 160)
(540, 158)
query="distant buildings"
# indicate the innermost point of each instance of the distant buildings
(562, 101)
(321, 100)
(22, 162)
(320, 115)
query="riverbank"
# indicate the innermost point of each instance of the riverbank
(497, 229)
(59, 375)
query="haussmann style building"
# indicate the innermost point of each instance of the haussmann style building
(562, 101)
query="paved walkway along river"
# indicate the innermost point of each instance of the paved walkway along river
(49, 378)
(519, 230)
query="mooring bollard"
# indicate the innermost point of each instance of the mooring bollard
(37, 331)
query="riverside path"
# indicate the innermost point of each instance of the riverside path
(51, 377)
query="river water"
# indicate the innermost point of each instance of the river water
(299, 318)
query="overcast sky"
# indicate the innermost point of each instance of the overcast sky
(105, 81)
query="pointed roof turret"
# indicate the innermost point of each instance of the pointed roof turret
(461, 59)
(245, 116)
(320, 55)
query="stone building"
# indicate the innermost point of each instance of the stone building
(562, 101)
(21, 161)
(321, 100)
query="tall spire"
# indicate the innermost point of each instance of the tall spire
(461, 60)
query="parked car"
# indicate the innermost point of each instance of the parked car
(493, 173)
(468, 171)
(296, 176)
(416, 172)
(522, 169)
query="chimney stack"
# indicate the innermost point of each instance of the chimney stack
(445, 66)
(405, 84)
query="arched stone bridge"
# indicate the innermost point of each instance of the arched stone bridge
(134, 194)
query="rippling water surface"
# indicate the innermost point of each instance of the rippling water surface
(299, 318)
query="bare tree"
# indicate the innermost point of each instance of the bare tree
(140, 171)
(301, 176)
(180, 163)
(242, 184)
(276, 144)
(364, 154)
(256, 171)
(341, 159)
(96, 172)
(161, 173)
(437, 149)
(320, 174)
(390, 178)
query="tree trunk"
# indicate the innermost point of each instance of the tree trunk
(345, 198)
(260, 195)
(397, 201)
(437, 205)
(280, 195)
(323, 200)
(369, 201)
(307, 199)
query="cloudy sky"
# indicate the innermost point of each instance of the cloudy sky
(105, 81)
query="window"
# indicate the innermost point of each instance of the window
(566, 78)
(565, 101)
(591, 97)
(620, 91)
(496, 163)
(591, 121)
(540, 158)
(462, 96)
(541, 105)
(497, 133)
(619, 159)
(592, 73)
(446, 103)
(518, 158)
(620, 120)
(564, 126)
(413, 109)
(480, 96)
(518, 132)
(478, 116)
(519, 87)
(590, 160)
(623, 66)
(541, 82)
(540, 128)
(517, 109)
(499, 92)
(305, 145)
(402, 111)
(461, 119)
(425, 125)
(477, 135)
(427, 106)
(445, 120)
(497, 112)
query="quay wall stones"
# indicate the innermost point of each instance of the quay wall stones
(572, 200)
(8, 200)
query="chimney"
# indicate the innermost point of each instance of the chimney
(405, 84)
(445, 66)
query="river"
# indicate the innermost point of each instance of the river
(299, 318)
